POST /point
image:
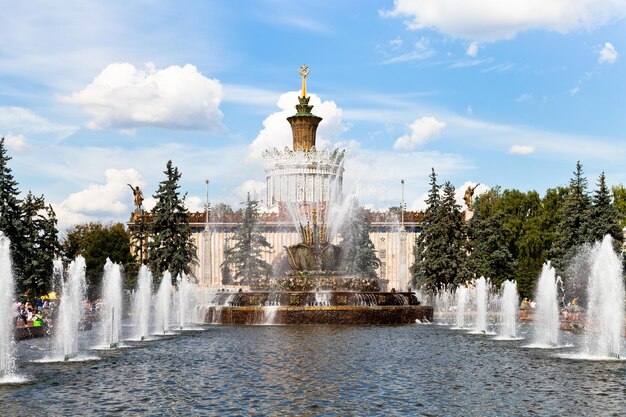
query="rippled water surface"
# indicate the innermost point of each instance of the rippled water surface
(318, 370)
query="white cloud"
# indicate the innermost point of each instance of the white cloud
(522, 150)
(112, 197)
(16, 142)
(396, 43)
(276, 132)
(524, 97)
(491, 20)
(420, 51)
(472, 50)
(608, 54)
(243, 94)
(19, 119)
(194, 204)
(125, 97)
(374, 175)
(419, 204)
(254, 187)
(422, 130)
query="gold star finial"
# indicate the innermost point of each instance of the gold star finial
(304, 71)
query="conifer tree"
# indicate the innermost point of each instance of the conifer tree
(244, 257)
(573, 229)
(604, 217)
(39, 244)
(454, 242)
(11, 210)
(358, 255)
(440, 252)
(171, 248)
(422, 267)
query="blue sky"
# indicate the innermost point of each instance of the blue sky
(94, 95)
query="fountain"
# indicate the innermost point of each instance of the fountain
(508, 311)
(111, 312)
(7, 313)
(163, 304)
(444, 300)
(461, 299)
(605, 303)
(482, 295)
(142, 301)
(71, 309)
(304, 186)
(186, 301)
(547, 310)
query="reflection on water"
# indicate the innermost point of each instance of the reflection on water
(318, 370)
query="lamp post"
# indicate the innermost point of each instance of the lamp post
(401, 257)
(402, 206)
(207, 235)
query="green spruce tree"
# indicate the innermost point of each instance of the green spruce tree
(440, 252)
(244, 257)
(573, 229)
(358, 255)
(11, 211)
(604, 217)
(171, 248)
(40, 245)
(454, 245)
(424, 263)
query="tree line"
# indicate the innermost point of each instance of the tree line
(512, 233)
(30, 224)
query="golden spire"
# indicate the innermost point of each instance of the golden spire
(304, 71)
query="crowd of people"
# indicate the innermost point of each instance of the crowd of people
(36, 315)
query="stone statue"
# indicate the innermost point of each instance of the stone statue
(469, 197)
(304, 71)
(138, 196)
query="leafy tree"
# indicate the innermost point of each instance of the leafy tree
(97, 242)
(490, 239)
(40, 245)
(619, 202)
(11, 211)
(358, 253)
(574, 225)
(605, 219)
(244, 257)
(171, 247)
(535, 240)
(220, 210)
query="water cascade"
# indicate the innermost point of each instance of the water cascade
(163, 304)
(508, 310)
(481, 305)
(111, 312)
(605, 302)
(547, 309)
(443, 300)
(71, 309)
(461, 299)
(272, 305)
(141, 303)
(186, 301)
(7, 292)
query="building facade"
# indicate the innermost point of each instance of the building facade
(303, 185)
